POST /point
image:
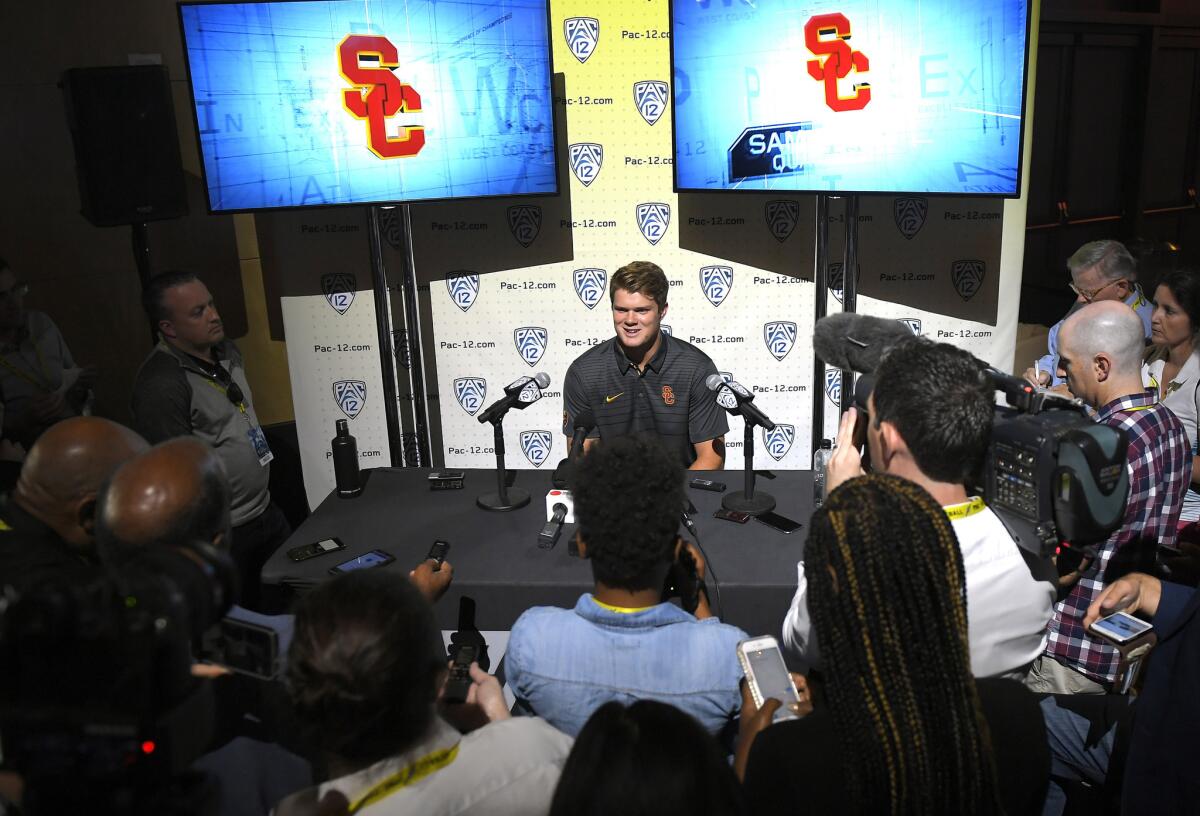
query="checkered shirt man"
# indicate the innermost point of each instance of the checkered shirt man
(1160, 470)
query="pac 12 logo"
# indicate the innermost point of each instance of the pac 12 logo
(650, 96)
(339, 290)
(779, 336)
(463, 289)
(913, 324)
(652, 219)
(715, 282)
(525, 222)
(968, 276)
(665, 329)
(586, 160)
(590, 285)
(782, 216)
(582, 35)
(536, 446)
(470, 393)
(350, 396)
(378, 94)
(840, 59)
(779, 441)
(833, 385)
(531, 343)
(909, 214)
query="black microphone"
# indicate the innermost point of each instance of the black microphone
(856, 342)
(735, 399)
(584, 422)
(519, 394)
(548, 537)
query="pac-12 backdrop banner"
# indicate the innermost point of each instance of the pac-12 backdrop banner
(735, 262)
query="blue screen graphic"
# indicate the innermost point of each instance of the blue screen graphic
(429, 99)
(888, 96)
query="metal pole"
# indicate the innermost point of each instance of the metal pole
(141, 256)
(383, 325)
(850, 288)
(821, 279)
(416, 370)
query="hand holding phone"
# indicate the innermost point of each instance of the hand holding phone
(767, 676)
(1120, 628)
(437, 553)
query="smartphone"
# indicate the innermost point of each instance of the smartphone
(458, 683)
(307, 551)
(438, 553)
(1121, 627)
(732, 515)
(767, 675)
(250, 649)
(781, 523)
(374, 558)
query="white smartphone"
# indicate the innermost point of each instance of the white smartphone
(1121, 627)
(767, 675)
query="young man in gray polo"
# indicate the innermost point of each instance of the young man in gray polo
(644, 381)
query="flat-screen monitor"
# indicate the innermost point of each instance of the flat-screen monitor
(859, 96)
(325, 102)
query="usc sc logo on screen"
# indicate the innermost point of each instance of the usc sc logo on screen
(840, 59)
(378, 94)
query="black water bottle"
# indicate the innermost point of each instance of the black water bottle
(345, 462)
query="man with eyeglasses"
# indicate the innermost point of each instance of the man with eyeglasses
(40, 382)
(194, 384)
(1100, 270)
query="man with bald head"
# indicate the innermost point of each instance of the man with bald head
(1100, 356)
(47, 527)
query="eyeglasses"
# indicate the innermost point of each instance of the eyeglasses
(1091, 296)
(16, 291)
(232, 390)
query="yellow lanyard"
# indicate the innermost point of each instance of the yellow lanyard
(225, 392)
(955, 512)
(28, 376)
(418, 770)
(622, 610)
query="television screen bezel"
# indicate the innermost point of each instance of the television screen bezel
(838, 193)
(187, 67)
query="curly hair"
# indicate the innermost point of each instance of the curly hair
(628, 497)
(941, 403)
(887, 593)
(364, 665)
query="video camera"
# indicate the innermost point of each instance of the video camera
(1054, 476)
(99, 712)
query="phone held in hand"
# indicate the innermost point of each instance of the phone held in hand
(1121, 628)
(459, 681)
(767, 675)
(438, 553)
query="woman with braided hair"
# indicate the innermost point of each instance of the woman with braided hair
(904, 727)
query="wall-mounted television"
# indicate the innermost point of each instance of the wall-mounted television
(326, 102)
(859, 96)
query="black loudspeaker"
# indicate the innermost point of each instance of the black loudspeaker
(126, 147)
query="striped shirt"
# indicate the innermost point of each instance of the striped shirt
(667, 399)
(1160, 468)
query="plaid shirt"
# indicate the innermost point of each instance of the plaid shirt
(1159, 473)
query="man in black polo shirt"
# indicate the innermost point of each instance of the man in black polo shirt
(644, 381)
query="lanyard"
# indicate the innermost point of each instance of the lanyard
(623, 610)
(44, 382)
(241, 406)
(418, 770)
(956, 512)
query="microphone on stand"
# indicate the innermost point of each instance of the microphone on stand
(519, 394)
(585, 421)
(551, 530)
(738, 400)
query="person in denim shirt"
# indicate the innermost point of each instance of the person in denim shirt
(622, 641)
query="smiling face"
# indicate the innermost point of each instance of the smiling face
(636, 319)
(1170, 324)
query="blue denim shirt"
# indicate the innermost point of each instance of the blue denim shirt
(565, 663)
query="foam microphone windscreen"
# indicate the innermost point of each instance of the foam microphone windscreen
(542, 379)
(856, 342)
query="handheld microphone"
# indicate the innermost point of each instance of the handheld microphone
(519, 394)
(548, 537)
(736, 399)
(585, 421)
(856, 342)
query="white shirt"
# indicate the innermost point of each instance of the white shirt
(506, 768)
(1182, 398)
(1007, 610)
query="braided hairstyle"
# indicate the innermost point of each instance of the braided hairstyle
(888, 602)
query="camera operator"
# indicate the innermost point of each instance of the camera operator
(1100, 355)
(623, 641)
(47, 524)
(930, 422)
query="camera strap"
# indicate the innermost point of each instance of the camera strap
(413, 772)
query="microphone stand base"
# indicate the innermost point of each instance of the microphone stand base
(756, 505)
(516, 499)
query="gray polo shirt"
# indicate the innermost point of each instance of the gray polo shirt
(668, 399)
